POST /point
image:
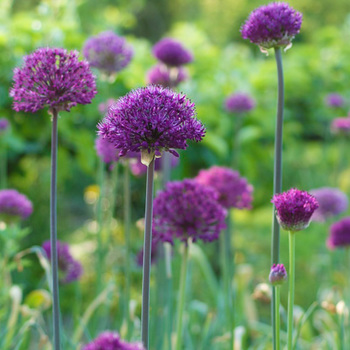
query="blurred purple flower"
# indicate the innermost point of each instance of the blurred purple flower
(103, 107)
(14, 205)
(105, 150)
(341, 125)
(334, 100)
(171, 52)
(52, 77)
(152, 119)
(4, 125)
(187, 209)
(294, 209)
(234, 191)
(331, 202)
(69, 269)
(111, 341)
(161, 75)
(272, 26)
(339, 234)
(278, 274)
(108, 51)
(239, 102)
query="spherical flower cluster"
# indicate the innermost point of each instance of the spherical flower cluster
(70, 269)
(339, 235)
(294, 209)
(151, 119)
(278, 274)
(187, 209)
(14, 205)
(105, 150)
(52, 77)
(108, 52)
(239, 103)
(139, 169)
(334, 100)
(4, 125)
(160, 75)
(341, 125)
(111, 341)
(171, 52)
(233, 190)
(272, 26)
(331, 202)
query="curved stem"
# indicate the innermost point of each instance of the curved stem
(277, 178)
(291, 288)
(147, 256)
(181, 300)
(53, 233)
(277, 315)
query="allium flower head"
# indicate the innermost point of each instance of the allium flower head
(294, 209)
(108, 52)
(187, 209)
(52, 77)
(331, 202)
(341, 125)
(278, 274)
(334, 100)
(161, 75)
(14, 205)
(339, 235)
(171, 52)
(4, 125)
(150, 120)
(272, 26)
(111, 341)
(69, 269)
(105, 150)
(233, 190)
(239, 103)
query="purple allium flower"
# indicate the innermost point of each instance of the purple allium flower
(105, 150)
(273, 25)
(294, 209)
(70, 269)
(154, 253)
(331, 202)
(4, 125)
(233, 190)
(108, 51)
(161, 75)
(151, 119)
(334, 100)
(187, 209)
(278, 274)
(103, 107)
(111, 341)
(14, 205)
(171, 52)
(139, 169)
(52, 77)
(339, 234)
(239, 103)
(341, 125)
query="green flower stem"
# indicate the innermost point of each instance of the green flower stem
(53, 234)
(181, 300)
(3, 163)
(147, 256)
(291, 288)
(237, 121)
(277, 315)
(277, 178)
(169, 295)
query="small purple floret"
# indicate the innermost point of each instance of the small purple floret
(341, 125)
(331, 202)
(334, 100)
(272, 26)
(234, 191)
(239, 103)
(4, 125)
(152, 118)
(294, 209)
(108, 51)
(52, 77)
(14, 205)
(339, 234)
(187, 209)
(278, 274)
(111, 341)
(162, 75)
(171, 52)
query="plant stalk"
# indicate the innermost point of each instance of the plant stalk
(3, 163)
(277, 316)
(291, 288)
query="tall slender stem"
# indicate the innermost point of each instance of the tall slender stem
(181, 300)
(236, 128)
(53, 233)
(277, 179)
(147, 256)
(291, 288)
(3, 163)
(277, 315)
